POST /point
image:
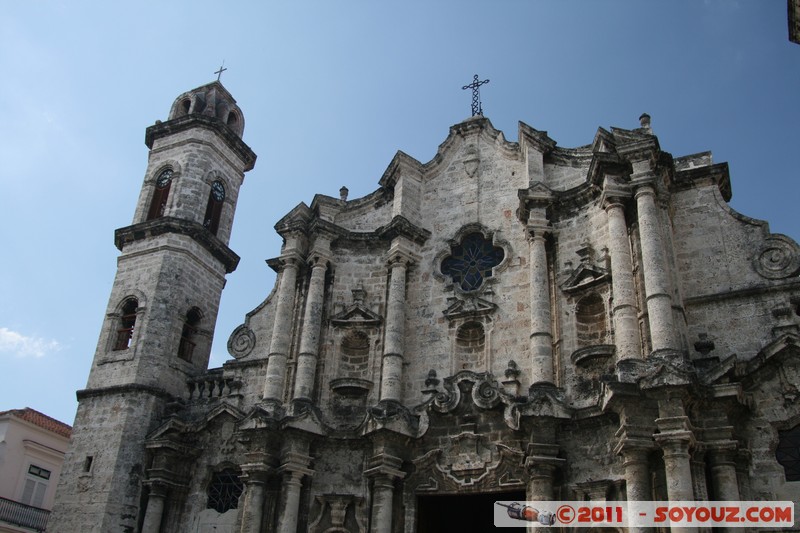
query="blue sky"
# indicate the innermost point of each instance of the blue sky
(330, 91)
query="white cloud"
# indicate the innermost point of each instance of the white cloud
(19, 345)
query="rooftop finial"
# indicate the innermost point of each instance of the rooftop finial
(343, 193)
(644, 120)
(477, 108)
(221, 70)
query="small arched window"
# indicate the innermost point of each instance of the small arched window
(159, 202)
(216, 197)
(127, 321)
(186, 104)
(188, 334)
(224, 491)
(232, 119)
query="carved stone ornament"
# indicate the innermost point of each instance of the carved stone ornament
(468, 461)
(778, 257)
(241, 342)
(471, 161)
(339, 513)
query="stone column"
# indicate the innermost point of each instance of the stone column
(385, 470)
(255, 479)
(541, 340)
(654, 266)
(295, 466)
(281, 331)
(675, 439)
(541, 463)
(626, 321)
(155, 507)
(637, 478)
(309, 340)
(392, 365)
(722, 457)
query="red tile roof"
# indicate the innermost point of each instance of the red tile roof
(40, 419)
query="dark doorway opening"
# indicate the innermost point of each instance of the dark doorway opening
(468, 513)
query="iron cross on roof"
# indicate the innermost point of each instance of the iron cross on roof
(477, 108)
(221, 70)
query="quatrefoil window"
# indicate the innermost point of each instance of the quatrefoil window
(472, 261)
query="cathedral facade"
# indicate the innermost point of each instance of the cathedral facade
(508, 321)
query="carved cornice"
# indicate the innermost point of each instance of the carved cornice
(171, 127)
(718, 174)
(193, 230)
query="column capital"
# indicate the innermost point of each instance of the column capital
(158, 487)
(289, 260)
(675, 442)
(319, 260)
(644, 183)
(401, 257)
(615, 192)
(536, 232)
(256, 473)
(541, 460)
(722, 452)
(384, 465)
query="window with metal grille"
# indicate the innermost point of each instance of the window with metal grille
(224, 491)
(788, 452)
(127, 321)
(472, 261)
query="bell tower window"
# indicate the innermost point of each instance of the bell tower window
(127, 321)
(214, 208)
(188, 340)
(159, 203)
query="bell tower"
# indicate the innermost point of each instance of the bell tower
(160, 319)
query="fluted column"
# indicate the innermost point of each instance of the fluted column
(384, 471)
(155, 508)
(392, 364)
(654, 266)
(626, 322)
(541, 340)
(281, 331)
(255, 480)
(309, 340)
